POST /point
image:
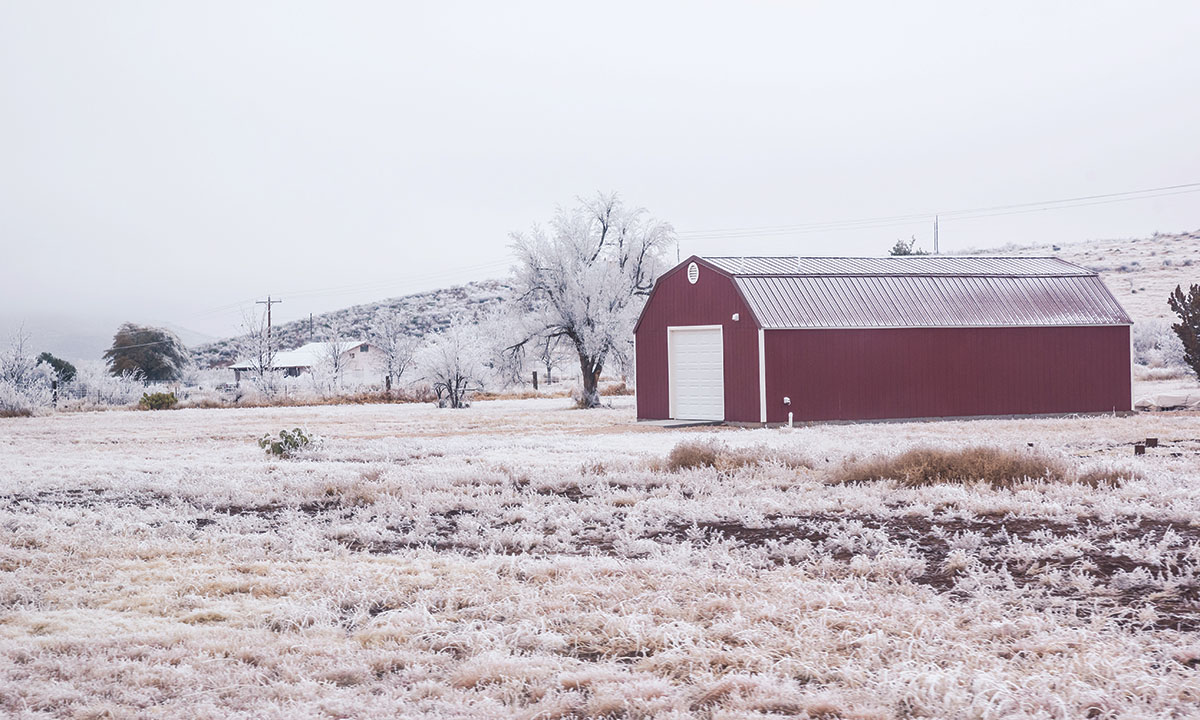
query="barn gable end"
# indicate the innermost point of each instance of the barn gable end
(712, 300)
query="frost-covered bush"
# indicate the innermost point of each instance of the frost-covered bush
(1156, 345)
(207, 378)
(18, 401)
(24, 384)
(93, 386)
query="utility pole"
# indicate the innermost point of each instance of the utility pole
(935, 234)
(268, 302)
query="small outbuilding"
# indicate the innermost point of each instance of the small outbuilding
(754, 339)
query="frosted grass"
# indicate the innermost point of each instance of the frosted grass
(520, 559)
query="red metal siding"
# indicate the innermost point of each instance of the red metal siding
(865, 374)
(711, 301)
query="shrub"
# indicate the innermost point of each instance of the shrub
(288, 444)
(996, 467)
(157, 401)
(1156, 345)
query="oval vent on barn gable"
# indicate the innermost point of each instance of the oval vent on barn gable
(693, 273)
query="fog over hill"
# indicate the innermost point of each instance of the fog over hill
(426, 312)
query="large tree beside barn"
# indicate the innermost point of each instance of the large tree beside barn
(584, 278)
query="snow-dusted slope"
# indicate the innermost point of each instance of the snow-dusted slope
(426, 312)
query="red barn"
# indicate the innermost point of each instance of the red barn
(753, 339)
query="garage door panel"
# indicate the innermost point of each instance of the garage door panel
(697, 368)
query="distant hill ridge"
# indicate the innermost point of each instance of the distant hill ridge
(425, 313)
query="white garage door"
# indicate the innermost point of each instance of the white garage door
(697, 373)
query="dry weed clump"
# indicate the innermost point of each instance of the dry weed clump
(520, 394)
(997, 467)
(691, 454)
(617, 388)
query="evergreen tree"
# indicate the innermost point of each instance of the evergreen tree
(154, 354)
(1187, 307)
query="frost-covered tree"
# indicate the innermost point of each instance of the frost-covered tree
(455, 363)
(332, 358)
(156, 354)
(389, 333)
(583, 280)
(259, 348)
(902, 248)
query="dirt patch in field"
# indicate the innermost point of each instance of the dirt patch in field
(1177, 608)
(1094, 560)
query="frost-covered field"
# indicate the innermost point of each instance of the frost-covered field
(520, 559)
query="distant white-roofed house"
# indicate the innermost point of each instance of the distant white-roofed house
(361, 362)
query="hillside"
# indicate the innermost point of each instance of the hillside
(427, 312)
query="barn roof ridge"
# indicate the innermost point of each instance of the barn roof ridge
(899, 266)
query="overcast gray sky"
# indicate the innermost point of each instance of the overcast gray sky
(164, 162)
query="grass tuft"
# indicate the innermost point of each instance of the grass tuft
(692, 454)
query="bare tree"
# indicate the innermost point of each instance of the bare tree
(333, 355)
(585, 278)
(549, 354)
(455, 363)
(258, 347)
(17, 365)
(389, 332)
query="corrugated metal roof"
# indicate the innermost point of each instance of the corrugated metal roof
(929, 300)
(755, 265)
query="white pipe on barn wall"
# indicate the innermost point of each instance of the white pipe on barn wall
(789, 419)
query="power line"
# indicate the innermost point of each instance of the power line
(965, 214)
(268, 302)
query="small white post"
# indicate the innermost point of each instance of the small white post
(789, 420)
